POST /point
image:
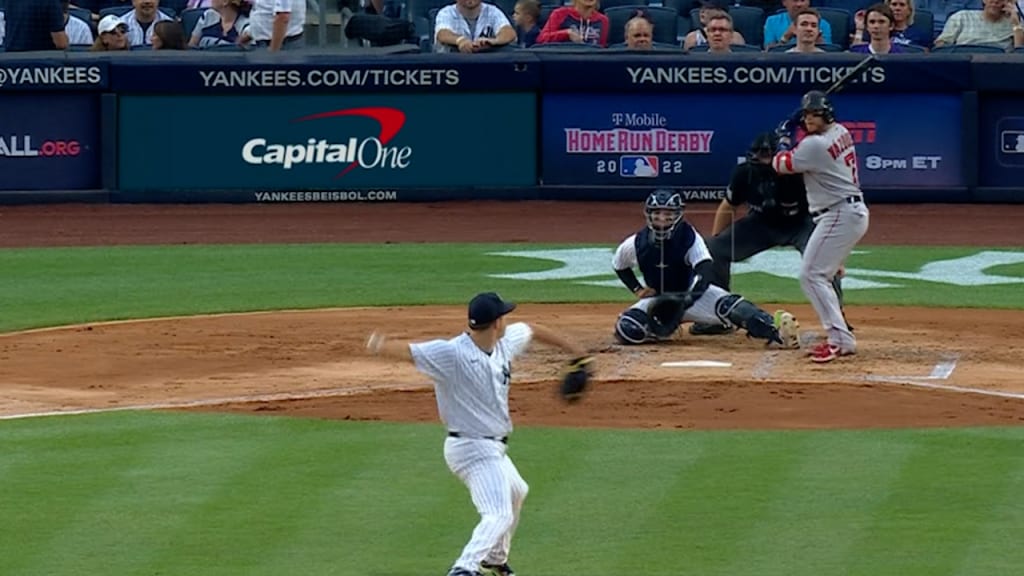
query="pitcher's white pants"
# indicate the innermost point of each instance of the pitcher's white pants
(497, 491)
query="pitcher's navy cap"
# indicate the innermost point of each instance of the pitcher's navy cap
(487, 307)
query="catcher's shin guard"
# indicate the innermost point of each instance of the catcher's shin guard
(631, 327)
(758, 323)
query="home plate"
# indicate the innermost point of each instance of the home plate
(696, 364)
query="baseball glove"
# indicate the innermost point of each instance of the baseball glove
(576, 378)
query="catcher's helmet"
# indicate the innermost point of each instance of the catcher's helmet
(661, 199)
(764, 143)
(817, 101)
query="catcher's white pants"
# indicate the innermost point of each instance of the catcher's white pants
(497, 491)
(703, 310)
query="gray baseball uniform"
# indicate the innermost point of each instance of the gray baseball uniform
(828, 162)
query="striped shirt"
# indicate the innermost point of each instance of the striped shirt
(471, 385)
(971, 27)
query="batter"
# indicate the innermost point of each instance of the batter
(827, 158)
(472, 373)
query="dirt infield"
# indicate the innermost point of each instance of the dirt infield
(309, 363)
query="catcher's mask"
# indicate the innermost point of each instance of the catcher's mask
(664, 211)
(817, 102)
(763, 147)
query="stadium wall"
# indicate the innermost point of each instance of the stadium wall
(250, 127)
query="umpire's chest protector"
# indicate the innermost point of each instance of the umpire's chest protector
(666, 259)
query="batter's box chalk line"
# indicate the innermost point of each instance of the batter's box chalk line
(941, 371)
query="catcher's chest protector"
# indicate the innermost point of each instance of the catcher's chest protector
(666, 260)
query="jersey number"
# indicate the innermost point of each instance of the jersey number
(851, 161)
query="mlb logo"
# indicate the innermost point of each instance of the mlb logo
(1012, 142)
(638, 166)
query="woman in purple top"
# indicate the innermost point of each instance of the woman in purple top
(879, 20)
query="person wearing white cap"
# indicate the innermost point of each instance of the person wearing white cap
(112, 34)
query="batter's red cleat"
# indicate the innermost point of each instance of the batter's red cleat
(826, 352)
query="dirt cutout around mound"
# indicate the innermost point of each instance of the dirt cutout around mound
(916, 367)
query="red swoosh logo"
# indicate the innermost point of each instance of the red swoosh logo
(391, 121)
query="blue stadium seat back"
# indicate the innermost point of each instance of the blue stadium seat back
(683, 27)
(79, 47)
(607, 5)
(851, 6)
(831, 47)
(1019, 50)
(748, 21)
(734, 48)
(913, 48)
(81, 14)
(969, 49)
(191, 17)
(924, 20)
(665, 22)
(115, 10)
(169, 11)
(545, 13)
(655, 47)
(177, 5)
(553, 3)
(841, 22)
(507, 6)
(424, 7)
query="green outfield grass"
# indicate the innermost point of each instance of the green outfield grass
(187, 494)
(193, 494)
(53, 286)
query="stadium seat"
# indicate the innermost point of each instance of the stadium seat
(840, 22)
(1019, 50)
(969, 49)
(422, 8)
(665, 22)
(507, 6)
(851, 6)
(655, 47)
(122, 10)
(224, 48)
(189, 19)
(177, 5)
(79, 47)
(748, 21)
(564, 47)
(607, 5)
(924, 20)
(545, 13)
(733, 47)
(912, 49)
(81, 14)
(825, 47)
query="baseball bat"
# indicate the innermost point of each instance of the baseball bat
(838, 84)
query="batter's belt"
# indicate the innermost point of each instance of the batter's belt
(848, 200)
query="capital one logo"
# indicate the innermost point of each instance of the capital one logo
(368, 153)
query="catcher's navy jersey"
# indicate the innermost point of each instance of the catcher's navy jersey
(684, 250)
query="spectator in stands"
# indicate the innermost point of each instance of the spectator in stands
(880, 21)
(168, 35)
(112, 35)
(808, 30)
(720, 30)
(639, 33)
(942, 9)
(471, 26)
(221, 25)
(34, 25)
(781, 28)
(526, 15)
(904, 31)
(193, 4)
(141, 19)
(997, 24)
(276, 24)
(699, 37)
(580, 23)
(78, 30)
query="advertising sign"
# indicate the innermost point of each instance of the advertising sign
(1001, 131)
(327, 142)
(694, 141)
(49, 142)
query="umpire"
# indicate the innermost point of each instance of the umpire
(777, 215)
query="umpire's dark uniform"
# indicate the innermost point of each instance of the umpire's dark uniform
(777, 216)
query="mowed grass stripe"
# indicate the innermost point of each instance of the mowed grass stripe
(825, 506)
(996, 548)
(598, 499)
(938, 507)
(67, 492)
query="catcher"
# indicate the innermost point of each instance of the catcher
(471, 375)
(677, 269)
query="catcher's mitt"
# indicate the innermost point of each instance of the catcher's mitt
(576, 378)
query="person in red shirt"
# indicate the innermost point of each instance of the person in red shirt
(580, 23)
